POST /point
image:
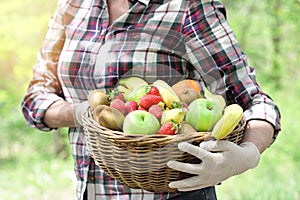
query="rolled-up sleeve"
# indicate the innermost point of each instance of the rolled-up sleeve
(44, 88)
(223, 67)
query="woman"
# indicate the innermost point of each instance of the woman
(91, 44)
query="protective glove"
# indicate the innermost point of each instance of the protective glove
(79, 109)
(220, 160)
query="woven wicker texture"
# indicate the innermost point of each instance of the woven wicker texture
(139, 161)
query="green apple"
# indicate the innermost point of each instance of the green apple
(140, 122)
(216, 98)
(203, 114)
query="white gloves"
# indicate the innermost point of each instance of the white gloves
(220, 160)
(79, 109)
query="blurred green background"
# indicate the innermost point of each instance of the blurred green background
(37, 165)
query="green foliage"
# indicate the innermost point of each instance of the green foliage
(267, 32)
(22, 32)
(277, 175)
(30, 168)
(29, 165)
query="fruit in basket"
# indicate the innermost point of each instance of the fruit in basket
(186, 128)
(97, 110)
(168, 128)
(119, 105)
(161, 82)
(203, 114)
(187, 90)
(131, 106)
(108, 117)
(156, 110)
(151, 89)
(218, 99)
(124, 90)
(148, 100)
(182, 85)
(132, 82)
(97, 97)
(116, 94)
(232, 115)
(137, 93)
(188, 96)
(176, 115)
(140, 122)
(166, 92)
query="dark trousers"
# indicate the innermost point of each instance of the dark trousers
(208, 193)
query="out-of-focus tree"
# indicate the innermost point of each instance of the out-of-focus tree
(23, 26)
(268, 32)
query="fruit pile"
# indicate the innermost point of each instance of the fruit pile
(138, 107)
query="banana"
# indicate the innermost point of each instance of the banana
(231, 117)
(167, 93)
(176, 115)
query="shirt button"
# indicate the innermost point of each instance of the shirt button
(137, 37)
(91, 179)
(91, 62)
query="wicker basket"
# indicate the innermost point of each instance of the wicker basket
(139, 161)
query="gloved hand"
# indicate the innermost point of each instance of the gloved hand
(220, 160)
(79, 109)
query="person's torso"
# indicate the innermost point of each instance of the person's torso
(146, 41)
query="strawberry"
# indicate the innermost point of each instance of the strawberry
(148, 100)
(119, 105)
(153, 90)
(142, 108)
(168, 128)
(131, 106)
(156, 111)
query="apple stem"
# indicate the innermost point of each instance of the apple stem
(210, 107)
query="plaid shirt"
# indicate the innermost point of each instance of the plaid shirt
(157, 39)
